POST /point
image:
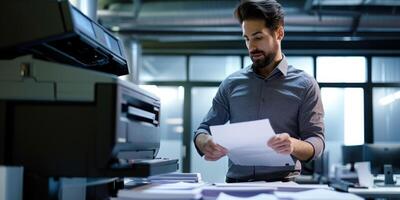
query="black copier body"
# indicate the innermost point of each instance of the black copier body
(63, 110)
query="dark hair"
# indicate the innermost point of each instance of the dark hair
(268, 10)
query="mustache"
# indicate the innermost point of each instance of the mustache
(256, 52)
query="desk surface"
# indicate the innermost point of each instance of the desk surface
(383, 192)
(377, 191)
(280, 190)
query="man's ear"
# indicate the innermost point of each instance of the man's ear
(280, 33)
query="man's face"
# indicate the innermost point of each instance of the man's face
(263, 44)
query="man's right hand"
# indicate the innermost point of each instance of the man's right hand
(211, 150)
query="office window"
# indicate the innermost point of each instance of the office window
(211, 171)
(344, 114)
(304, 63)
(171, 120)
(163, 68)
(386, 118)
(385, 69)
(212, 68)
(350, 69)
(344, 119)
(247, 61)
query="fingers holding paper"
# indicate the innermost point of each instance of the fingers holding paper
(281, 143)
(216, 153)
(212, 151)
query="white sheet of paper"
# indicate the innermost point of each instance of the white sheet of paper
(247, 143)
(365, 178)
(223, 196)
(317, 194)
(177, 186)
(275, 184)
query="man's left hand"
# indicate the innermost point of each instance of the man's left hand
(281, 143)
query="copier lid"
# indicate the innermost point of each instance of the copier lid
(59, 32)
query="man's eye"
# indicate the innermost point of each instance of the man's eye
(258, 38)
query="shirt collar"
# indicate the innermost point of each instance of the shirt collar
(282, 67)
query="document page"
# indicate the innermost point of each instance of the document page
(247, 143)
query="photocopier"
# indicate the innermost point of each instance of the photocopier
(64, 112)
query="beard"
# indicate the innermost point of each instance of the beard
(262, 62)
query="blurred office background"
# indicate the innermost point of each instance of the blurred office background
(182, 49)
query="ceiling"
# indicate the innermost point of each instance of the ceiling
(212, 20)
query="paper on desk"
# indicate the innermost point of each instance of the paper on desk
(223, 196)
(276, 184)
(211, 192)
(365, 178)
(169, 192)
(247, 143)
(178, 186)
(243, 184)
(317, 194)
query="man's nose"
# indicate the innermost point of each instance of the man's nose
(252, 49)
(252, 46)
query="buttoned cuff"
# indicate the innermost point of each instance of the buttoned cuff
(197, 133)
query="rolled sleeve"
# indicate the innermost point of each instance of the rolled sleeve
(311, 118)
(318, 145)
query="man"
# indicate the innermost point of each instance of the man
(269, 88)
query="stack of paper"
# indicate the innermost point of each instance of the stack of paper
(224, 196)
(317, 194)
(176, 177)
(173, 191)
(212, 192)
(277, 185)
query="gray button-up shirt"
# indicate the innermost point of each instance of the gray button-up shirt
(288, 97)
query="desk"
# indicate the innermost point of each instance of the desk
(377, 192)
(278, 190)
